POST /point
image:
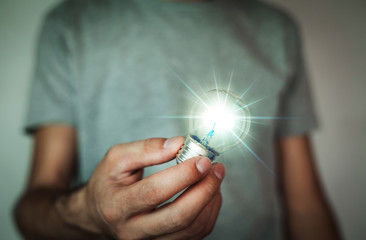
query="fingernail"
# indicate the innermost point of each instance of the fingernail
(219, 170)
(203, 165)
(172, 142)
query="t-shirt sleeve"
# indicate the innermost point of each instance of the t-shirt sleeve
(52, 94)
(296, 104)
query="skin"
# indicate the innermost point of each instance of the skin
(117, 203)
(308, 215)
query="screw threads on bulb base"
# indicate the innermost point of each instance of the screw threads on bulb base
(192, 148)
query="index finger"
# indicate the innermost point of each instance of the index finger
(160, 187)
(184, 210)
(136, 155)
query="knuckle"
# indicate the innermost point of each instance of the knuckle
(212, 187)
(109, 215)
(112, 152)
(127, 201)
(178, 221)
(148, 144)
(152, 144)
(150, 194)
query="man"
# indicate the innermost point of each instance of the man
(102, 74)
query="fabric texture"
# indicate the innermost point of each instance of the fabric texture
(105, 67)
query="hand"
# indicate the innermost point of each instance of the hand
(120, 204)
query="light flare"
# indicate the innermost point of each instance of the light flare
(221, 118)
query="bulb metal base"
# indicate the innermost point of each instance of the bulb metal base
(192, 148)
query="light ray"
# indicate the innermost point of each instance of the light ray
(249, 104)
(262, 123)
(203, 91)
(265, 117)
(241, 150)
(180, 117)
(228, 86)
(242, 95)
(186, 133)
(255, 135)
(200, 116)
(224, 153)
(254, 154)
(250, 135)
(205, 100)
(216, 85)
(188, 87)
(194, 129)
(255, 138)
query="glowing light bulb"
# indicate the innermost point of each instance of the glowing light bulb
(215, 126)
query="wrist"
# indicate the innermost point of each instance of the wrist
(73, 210)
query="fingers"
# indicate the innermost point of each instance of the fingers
(160, 187)
(182, 212)
(214, 215)
(130, 177)
(140, 154)
(202, 225)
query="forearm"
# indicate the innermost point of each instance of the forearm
(310, 219)
(307, 211)
(45, 214)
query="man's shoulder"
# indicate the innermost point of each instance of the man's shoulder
(74, 10)
(65, 9)
(268, 13)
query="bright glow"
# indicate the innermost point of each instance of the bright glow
(222, 117)
(220, 120)
(212, 123)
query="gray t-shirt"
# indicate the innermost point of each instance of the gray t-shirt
(104, 67)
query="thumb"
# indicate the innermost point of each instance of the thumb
(144, 153)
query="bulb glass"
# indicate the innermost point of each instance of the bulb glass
(220, 122)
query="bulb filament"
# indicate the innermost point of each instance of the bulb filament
(206, 140)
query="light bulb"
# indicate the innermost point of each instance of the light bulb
(217, 124)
